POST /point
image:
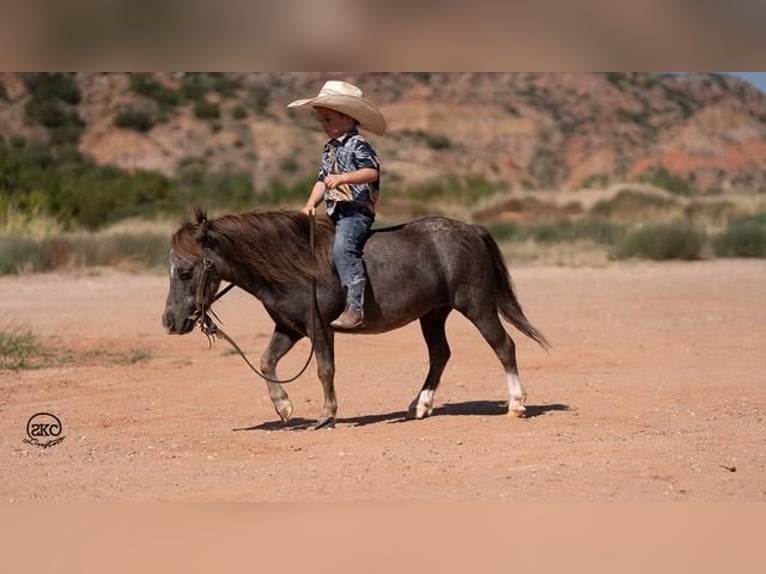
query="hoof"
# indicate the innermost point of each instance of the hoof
(423, 411)
(325, 423)
(517, 411)
(285, 411)
(423, 405)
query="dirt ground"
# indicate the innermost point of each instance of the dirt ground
(655, 390)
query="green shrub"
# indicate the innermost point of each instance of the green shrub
(207, 111)
(135, 119)
(53, 86)
(632, 204)
(147, 250)
(504, 230)
(260, 98)
(281, 193)
(145, 84)
(745, 238)
(50, 106)
(661, 242)
(434, 141)
(452, 189)
(18, 255)
(17, 348)
(239, 112)
(224, 85)
(670, 182)
(597, 230)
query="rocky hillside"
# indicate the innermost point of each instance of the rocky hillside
(703, 132)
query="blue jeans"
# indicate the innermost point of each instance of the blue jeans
(351, 231)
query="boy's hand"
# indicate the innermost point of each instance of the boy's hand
(309, 210)
(334, 180)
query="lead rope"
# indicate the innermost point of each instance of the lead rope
(212, 331)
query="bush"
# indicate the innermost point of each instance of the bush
(53, 86)
(746, 238)
(64, 251)
(599, 231)
(260, 98)
(504, 230)
(147, 250)
(629, 204)
(670, 182)
(135, 119)
(662, 242)
(206, 110)
(17, 348)
(49, 106)
(239, 112)
(280, 193)
(145, 84)
(465, 191)
(436, 142)
(18, 255)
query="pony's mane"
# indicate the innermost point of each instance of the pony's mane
(274, 243)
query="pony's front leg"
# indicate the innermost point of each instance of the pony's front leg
(324, 349)
(280, 343)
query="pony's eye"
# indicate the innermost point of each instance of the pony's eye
(185, 274)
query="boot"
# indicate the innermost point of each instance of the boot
(349, 319)
(353, 314)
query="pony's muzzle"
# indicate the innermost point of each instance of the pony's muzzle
(173, 327)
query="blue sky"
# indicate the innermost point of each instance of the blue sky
(758, 79)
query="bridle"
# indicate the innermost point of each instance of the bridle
(203, 314)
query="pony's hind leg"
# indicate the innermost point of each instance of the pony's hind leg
(324, 351)
(494, 333)
(281, 342)
(432, 326)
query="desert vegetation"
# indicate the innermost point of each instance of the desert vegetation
(62, 209)
(21, 348)
(127, 224)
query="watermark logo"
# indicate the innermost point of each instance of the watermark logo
(44, 430)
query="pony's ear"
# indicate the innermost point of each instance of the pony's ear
(202, 227)
(200, 216)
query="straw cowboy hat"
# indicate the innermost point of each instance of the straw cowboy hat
(347, 99)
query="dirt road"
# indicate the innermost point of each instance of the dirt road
(655, 390)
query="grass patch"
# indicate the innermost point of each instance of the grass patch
(669, 181)
(20, 255)
(132, 357)
(136, 250)
(21, 349)
(597, 230)
(18, 348)
(631, 205)
(743, 238)
(451, 189)
(661, 242)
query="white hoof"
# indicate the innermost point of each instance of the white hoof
(517, 409)
(423, 405)
(423, 411)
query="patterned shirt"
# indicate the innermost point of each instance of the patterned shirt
(348, 153)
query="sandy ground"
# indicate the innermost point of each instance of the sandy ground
(655, 390)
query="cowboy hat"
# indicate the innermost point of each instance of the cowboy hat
(347, 99)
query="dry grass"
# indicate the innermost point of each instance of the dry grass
(572, 228)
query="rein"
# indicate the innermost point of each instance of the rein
(212, 331)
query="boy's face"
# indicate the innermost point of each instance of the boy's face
(334, 124)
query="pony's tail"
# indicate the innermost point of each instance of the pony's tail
(507, 304)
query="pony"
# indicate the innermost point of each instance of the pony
(421, 270)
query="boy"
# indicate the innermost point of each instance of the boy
(348, 181)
